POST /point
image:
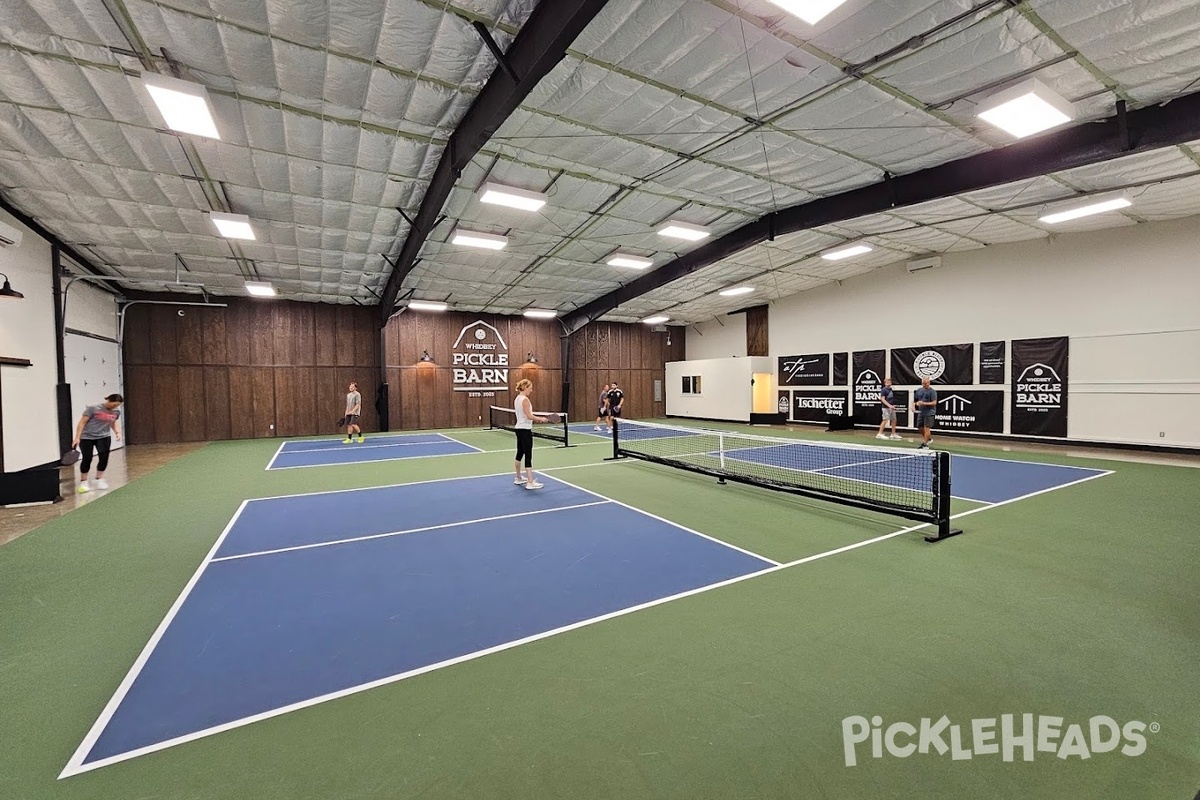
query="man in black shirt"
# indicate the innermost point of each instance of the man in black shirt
(615, 397)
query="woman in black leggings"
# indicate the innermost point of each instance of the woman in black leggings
(92, 437)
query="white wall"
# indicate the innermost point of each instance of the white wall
(725, 391)
(27, 331)
(93, 365)
(1128, 297)
(91, 310)
(722, 337)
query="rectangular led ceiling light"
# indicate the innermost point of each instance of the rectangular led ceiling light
(1027, 108)
(736, 292)
(660, 319)
(683, 230)
(232, 226)
(488, 241)
(184, 105)
(427, 305)
(260, 288)
(1089, 207)
(629, 261)
(811, 11)
(540, 313)
(847, 252)
(521, 199)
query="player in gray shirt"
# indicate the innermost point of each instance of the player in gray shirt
(925, 404)
(353, 410)
(92, 438)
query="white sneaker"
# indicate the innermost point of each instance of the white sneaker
(896, 437)
(534, 485)
(880, 436)
(518, 481)
(101, 483)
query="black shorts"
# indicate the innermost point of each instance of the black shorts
(352, 419)
(602, 411)
(614, 412)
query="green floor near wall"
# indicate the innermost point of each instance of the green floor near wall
(1075, 603)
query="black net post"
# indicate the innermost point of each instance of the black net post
(941, 498)
(616, 439)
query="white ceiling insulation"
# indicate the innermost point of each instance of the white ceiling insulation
(334, 115)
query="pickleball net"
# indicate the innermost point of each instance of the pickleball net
(500, 418)
(914, 484)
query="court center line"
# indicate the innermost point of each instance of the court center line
(403, 532)
(355, 446)
(477, 451)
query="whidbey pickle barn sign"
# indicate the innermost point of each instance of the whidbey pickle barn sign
(480, 359)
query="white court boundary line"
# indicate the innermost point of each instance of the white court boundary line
(341, 444)
(75, 765)
(389, 534)
(477, 451)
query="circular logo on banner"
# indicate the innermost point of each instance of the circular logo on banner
(783, 405)
(929, 364)
(480, 334)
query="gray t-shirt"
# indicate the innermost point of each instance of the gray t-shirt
(100, 421)
(925, 395)
(352, 401)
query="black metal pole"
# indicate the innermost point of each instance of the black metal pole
(62, 389)
(941, 500)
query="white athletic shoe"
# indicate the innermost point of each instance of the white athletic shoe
(101, 483)
(83, 488)
(880, 436)
(534, 485)
(596, 428)
(895, 437)
(518, 481)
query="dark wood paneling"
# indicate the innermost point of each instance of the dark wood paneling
(284, 348)
(329, 400)
(139, 398)
(241, 402)
(263, 415)
(191, 403)
(190, 344)
(757, 332)
(285, 402)
(213, 336)
(262, 333)
(239, 334)
(162, 335)
(302, 333)
(304, 384)
(325, 335)
(137, 335)
(344, 335)
(216, 403)
(166, 404)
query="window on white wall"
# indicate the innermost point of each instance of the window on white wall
(691, 384)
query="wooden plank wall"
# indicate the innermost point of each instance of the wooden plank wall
(232, 373)
(423, 396)
(757, 331)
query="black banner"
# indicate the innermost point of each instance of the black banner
(1039, 387)
(868, 376)
(840, 368)
(974, 412)
(807, 370)
(942, 364)
(819, 406)
(991, 362)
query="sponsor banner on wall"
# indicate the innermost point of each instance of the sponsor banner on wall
(991, 362)
(840, 369)
(942, 364)
(970, 411)
(868, 375)
(807, 370)
(1039, 387)
(819, 406)
(785, 404)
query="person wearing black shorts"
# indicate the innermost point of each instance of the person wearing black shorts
(615, 398)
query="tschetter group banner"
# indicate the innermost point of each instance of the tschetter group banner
(1039, 387)
(942, 364)
(814, 406)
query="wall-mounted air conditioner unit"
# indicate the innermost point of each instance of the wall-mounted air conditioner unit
(918, 264)
(9, 236)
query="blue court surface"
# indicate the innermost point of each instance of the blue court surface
(308, 598)
(327, 452)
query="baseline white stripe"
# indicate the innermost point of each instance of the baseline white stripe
(74, 765)
(403, 532)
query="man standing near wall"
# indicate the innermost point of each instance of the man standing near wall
(602, 408)
(615, 398)
(353, 410)
(887, 405)
(925, 405)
